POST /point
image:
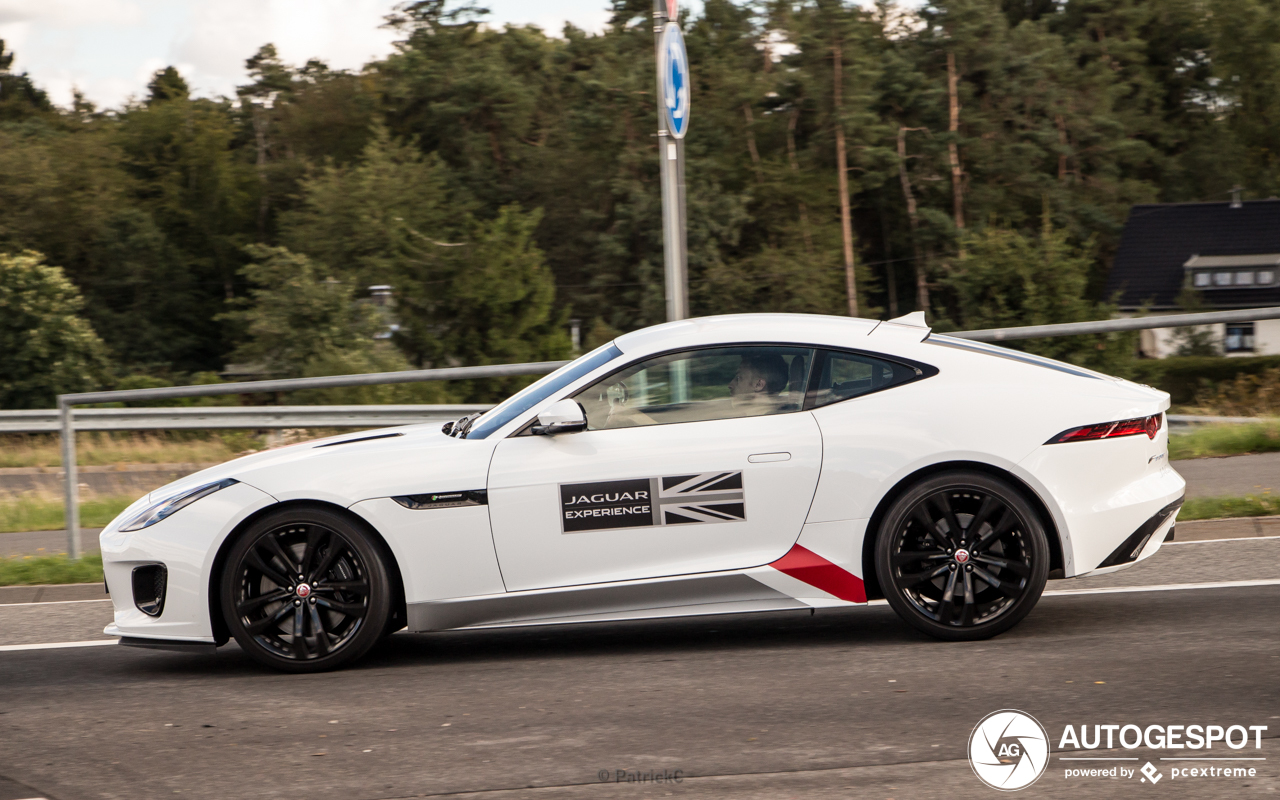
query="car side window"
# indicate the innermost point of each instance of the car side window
(698, 385)
(842, 375)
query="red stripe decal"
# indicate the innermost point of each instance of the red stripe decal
(805, 565)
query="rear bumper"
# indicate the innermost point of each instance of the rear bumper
(1105, 494)
(1133, 548)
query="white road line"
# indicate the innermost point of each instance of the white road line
(1211, 541)
(1166, 587)
(12, 648)
(54, 602)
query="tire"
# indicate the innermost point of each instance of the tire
(331, 617)
(996, 567)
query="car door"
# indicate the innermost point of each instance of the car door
(676, 473)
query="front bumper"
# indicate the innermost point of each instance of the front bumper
(186, 544)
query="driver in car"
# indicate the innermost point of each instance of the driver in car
(757, 386)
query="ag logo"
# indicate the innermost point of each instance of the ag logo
(1008, 750)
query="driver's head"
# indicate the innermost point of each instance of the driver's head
(759, 374)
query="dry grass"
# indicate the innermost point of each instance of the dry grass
(103, 449)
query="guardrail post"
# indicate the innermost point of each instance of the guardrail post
(66, 413)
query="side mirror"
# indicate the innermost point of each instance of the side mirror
(564, 416)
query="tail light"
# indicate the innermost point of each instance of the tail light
(1111, 430)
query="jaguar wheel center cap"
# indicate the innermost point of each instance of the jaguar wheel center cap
(962, 556)
(303, 590)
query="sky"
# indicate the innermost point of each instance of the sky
(110, 48)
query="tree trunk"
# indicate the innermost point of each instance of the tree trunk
(260, 123)
(795, 167)
(922, 278)
(842, 174)
(751, 142)
(1062, 141)
(957, 174)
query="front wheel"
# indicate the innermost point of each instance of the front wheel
(305, 590)
(962, 556)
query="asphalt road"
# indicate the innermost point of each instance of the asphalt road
(1232, 476)
(841, 704)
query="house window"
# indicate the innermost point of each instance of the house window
(1266, 277)
(1244, 279)
(1202, 278)
(1239, 338)
(1222, 279)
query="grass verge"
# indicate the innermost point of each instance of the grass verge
(105, 449)
(46, 514)
(34, 570)
(1221, 507)
(1226, 440)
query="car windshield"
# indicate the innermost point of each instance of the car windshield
(535, 393)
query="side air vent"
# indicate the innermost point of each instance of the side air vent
(149, 585)
(418, 502)
(361, 439)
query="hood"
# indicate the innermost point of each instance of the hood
(410, 459)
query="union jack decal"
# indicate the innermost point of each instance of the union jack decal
(705, 497)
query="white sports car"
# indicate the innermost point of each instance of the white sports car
(711, 466)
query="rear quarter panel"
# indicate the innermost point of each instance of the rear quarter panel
(978, 408)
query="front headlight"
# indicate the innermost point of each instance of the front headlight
(171, 505)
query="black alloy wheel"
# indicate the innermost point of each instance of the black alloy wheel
(305, 590)
(962, 556)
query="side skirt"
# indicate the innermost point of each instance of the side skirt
(725, 593)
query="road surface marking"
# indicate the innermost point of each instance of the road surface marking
(10, 648)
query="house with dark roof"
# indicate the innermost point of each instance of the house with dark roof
(1229, 253)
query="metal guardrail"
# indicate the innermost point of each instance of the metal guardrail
(1119, 325)
(225, 417)
(1192, 420)
(68, 402)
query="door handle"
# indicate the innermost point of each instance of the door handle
(765, 458)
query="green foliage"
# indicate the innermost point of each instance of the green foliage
(1187, 378)
(167, 84)
(1005, 279)
(19, 97)
(475, 156)
(502, 301)
(40, 570)
(46, 347)
(1225, 440)
(298, 317)
(1195, 340)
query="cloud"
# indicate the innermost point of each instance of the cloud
(345, 34)
(111, 48)
(70, 13)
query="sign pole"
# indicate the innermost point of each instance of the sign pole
(672, 98)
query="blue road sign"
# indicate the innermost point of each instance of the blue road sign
(675, 80)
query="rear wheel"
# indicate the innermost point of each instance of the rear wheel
(962, 556)
(305, 590)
